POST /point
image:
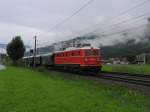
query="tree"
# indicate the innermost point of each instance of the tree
(131, 58)
(16, 49)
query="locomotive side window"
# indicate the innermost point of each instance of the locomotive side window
(75, 53)
(67, 53)
(95, 52)
(72, 53)
(57, 55)
(60, 54)
(79, 53)
(87, 52)
(91, 52)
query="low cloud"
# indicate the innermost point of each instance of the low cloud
(9, 30)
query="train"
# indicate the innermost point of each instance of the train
(85, 59)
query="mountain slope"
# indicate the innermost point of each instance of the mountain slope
(130, 47)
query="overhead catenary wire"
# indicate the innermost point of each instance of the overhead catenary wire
(124, 30)
(124, 12)
(117, 16)
(109, 19)
(72, 15)
(118, 25)
(112, 18)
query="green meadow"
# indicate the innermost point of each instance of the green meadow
(138, 69)
(25, 90)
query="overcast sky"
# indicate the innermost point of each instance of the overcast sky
(36, 17)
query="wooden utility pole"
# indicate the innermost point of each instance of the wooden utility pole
(35, 41)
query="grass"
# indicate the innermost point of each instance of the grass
(23, 90)
(139, 69)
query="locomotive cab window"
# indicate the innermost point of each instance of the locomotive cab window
(91, 52)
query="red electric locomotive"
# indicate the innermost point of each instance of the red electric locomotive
(82, 59)
(72, 59)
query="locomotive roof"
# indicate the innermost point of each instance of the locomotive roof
(75, 48)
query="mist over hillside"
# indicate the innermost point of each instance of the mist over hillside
(113, 44)
(130, 47)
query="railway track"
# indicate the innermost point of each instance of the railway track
(138, 79)
(138, 82)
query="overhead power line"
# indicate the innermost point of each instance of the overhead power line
(124, 30)
(117, 25)
(71, 16)
(105, 21)
(117, 16)
(124, 12)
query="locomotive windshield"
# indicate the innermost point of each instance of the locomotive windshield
(90, 52)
